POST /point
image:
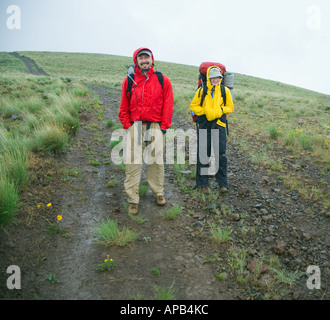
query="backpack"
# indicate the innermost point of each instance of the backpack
(130, 78)
(228, 81)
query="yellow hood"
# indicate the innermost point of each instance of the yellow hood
(208, 81)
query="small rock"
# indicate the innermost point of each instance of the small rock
(293, 252)
(264, 211)
(266, 280)
(295, 232)
(268, 217)
(198, 225)
(9, 245)
(307, 236)
(236, 217)
(199, 216)
(264, 180)
(295, 295)
(243, 192)
(269, 239)
(186, 172)
(271, 229)
(279, 246)
(255, 266)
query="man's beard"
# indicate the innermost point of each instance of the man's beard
(145, 67)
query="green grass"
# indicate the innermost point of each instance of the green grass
(220, 235)
(155, 271)
(164, 293)
(109, 234)
(112, 183)
(94, 163)
(106, 265)
(14, 159)
(50, 138)
(10, 65)
(36, 114)
(8, 199)
(143, 188)
(171, 213)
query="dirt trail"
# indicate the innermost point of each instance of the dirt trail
(258, 210)
(31, 65)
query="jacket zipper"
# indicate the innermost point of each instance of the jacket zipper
(143, 89)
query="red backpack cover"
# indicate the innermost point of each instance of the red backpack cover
(205, 65)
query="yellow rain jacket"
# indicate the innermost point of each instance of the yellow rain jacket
(212, 107)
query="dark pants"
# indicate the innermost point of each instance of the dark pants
(210, 133)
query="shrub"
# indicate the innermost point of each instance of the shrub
(51, 139)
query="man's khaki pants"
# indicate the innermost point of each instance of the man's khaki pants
(144, 146)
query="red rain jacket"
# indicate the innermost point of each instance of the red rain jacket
(148, 101)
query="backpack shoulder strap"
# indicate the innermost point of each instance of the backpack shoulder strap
(204, 87)
(160, 78)
(223, 93)
(130, 79)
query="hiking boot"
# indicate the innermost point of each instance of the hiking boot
(206, 190)
(223, 190)
(160, 200)
(133, 208)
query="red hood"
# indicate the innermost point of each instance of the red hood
(138, 50)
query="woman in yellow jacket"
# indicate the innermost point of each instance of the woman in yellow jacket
(211, 127)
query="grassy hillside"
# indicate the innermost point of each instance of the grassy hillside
(272, 122)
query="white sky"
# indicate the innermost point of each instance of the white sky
(282, 40)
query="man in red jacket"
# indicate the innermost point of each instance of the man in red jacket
(146, 112)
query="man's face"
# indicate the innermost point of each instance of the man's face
(144, 62)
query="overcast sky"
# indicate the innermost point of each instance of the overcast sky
(282, 40)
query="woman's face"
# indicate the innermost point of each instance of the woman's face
(215, 81)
